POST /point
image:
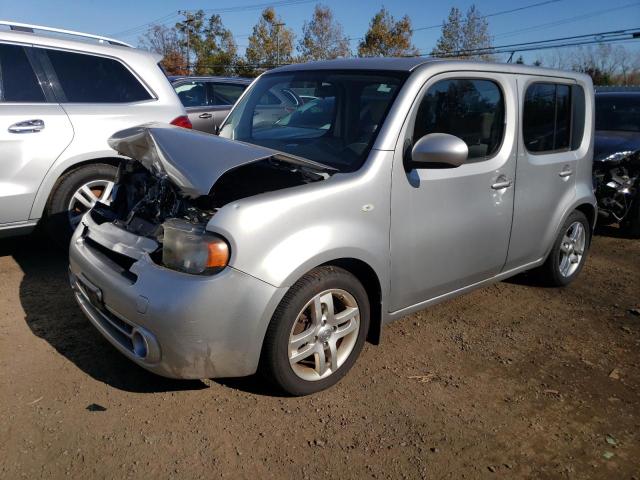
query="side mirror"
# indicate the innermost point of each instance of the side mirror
(439, 150)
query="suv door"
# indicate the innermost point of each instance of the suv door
(450, 227)
(546, 165)
(195, 95)
(224, 95)
(34, 131)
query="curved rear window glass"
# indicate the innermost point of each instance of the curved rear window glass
(618, 112)
(470, 109)
(92, 79)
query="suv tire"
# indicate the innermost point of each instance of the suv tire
(96, 178)
(331, 339)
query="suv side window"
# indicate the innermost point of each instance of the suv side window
(470, 109)
(18, 82)
(192, 94)
(93, 79)
(546, 120)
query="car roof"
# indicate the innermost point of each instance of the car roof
(74, 43)
(409, 64)
(242, 80)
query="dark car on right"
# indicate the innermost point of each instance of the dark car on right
(616, 159)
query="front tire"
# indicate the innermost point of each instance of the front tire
(317, 332)
(74, 194)
(569, 251)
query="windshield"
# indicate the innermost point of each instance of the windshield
(325, 116)
(618, 112)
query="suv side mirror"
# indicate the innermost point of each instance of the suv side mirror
(439, 150)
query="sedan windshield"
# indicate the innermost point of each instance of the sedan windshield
(618, 112)
(325, 116)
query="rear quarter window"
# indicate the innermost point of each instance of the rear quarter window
(92, 79)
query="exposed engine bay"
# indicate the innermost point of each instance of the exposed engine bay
(616, 182)
(142, 201)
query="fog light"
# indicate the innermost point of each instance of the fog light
(139, 344)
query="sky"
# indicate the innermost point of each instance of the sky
(127, 19)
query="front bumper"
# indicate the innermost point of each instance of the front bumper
(171, 323)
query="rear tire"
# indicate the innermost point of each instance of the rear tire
(316, 333)
(569, 252)
(73, 195)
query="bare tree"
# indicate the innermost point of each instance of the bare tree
(387, 37)
(164, 40)
(323, 37)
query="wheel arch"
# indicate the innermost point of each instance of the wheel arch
(43, 199)
(369, 279)
(591, 212)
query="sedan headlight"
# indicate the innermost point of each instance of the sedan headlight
(187, 247)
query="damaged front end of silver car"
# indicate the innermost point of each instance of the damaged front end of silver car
(174, 183)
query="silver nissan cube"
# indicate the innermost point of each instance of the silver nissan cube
(285, 242)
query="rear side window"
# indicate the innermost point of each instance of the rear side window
(226, 93)
(470, 109)
(546, 123)
(92, 79)
(18, 82)
(192, 94)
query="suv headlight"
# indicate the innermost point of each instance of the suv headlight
(187, 247)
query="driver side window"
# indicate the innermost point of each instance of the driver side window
(470, 109)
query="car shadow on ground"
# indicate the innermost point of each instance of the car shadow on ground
(53, 315)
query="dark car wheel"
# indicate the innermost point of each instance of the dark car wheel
(75, 193)
(569, 251)
(317, 332)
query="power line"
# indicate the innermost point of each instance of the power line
(490, 15)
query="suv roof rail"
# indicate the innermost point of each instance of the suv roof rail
(26, 27)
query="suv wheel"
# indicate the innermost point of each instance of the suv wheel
(569, 251)
(317, 332)
(74, 195)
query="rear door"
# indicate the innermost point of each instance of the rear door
(547, 164)
(224, 95)
(34, 131)
(195, 95)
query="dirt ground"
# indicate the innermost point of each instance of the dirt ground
(512, 381)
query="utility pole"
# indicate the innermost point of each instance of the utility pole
(187, 21)
(278, 25)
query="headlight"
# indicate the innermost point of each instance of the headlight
(189, 248)
(616, 157)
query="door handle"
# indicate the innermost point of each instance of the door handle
(28, 126)
(566, 171)
(205, 115)
(502, 183)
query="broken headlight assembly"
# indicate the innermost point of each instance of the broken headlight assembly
(188, 247)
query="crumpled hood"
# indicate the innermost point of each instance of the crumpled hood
(608, 142)
(193, 161)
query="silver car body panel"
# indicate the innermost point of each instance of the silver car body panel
(427, 235)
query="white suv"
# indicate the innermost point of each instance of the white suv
(62, 95)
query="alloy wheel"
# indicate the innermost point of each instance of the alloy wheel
(572, 249)
(86, 197)
(324, 334)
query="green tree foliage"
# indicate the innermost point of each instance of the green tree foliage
(387, 37)
(323, 37)
(210, 44)
(271, 43)
(462, 37)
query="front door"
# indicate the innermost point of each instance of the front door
(450, 227)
